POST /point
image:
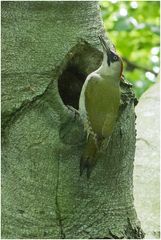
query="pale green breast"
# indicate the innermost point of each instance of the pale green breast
(102, 99)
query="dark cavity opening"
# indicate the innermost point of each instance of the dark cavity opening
(79, 63)
(70, 85)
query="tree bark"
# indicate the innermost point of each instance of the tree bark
(147, 162)
(48, 49)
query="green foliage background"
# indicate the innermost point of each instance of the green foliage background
(133, 27)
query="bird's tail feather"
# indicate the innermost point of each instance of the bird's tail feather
(88, 159)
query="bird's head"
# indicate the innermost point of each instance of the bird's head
(111, 59)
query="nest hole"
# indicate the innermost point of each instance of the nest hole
(70, 85)
(80, 62)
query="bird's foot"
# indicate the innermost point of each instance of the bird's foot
(74, 111)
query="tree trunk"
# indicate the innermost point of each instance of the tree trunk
(48, 49)
(147, 162)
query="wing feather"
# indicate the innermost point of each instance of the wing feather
(101, 103)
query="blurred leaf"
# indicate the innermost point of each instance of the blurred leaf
(134, 36)
(123, 25)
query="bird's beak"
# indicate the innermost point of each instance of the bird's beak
(106, 49)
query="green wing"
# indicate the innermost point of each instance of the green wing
(102, 101)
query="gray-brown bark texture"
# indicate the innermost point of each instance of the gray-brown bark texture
(48, 49)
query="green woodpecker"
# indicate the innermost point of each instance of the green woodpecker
(99, 105)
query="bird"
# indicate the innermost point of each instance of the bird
(99, 105)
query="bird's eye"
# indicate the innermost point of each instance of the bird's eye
(115, 57)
